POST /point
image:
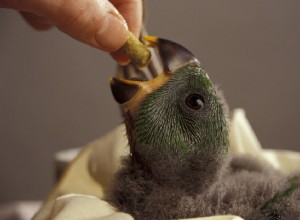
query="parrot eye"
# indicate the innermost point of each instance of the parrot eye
(194, 101)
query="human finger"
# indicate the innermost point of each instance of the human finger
(95, 22)
(37, 22)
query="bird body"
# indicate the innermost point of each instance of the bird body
(243, 189)
(179, 165)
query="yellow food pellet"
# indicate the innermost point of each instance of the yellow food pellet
(138, 53)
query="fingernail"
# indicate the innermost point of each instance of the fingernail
(113, 32)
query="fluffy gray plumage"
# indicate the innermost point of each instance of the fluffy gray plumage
(242, 189)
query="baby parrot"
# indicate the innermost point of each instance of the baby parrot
(177, 128)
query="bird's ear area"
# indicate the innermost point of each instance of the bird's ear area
(173, 55)
(222, 100)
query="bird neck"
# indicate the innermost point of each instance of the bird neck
(196, 170)
(194, 173)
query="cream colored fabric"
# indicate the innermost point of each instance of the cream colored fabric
(79, 207)
(77, 178)
(243, 141)
(93, 169)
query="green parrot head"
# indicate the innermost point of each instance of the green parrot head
(176, 120)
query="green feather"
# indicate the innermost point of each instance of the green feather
(292, 185)
(164, 124)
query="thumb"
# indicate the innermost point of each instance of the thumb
(95, 22)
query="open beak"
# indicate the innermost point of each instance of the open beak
(131, 85)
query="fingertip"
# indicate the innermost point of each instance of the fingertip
(120, 57)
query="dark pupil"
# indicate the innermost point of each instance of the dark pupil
(194, 101)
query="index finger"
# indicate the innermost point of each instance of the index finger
(132, 12)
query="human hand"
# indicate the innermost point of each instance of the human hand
(100, 23)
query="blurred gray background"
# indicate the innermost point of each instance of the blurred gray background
(54, 91)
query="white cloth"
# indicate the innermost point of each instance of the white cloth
(96, 164)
